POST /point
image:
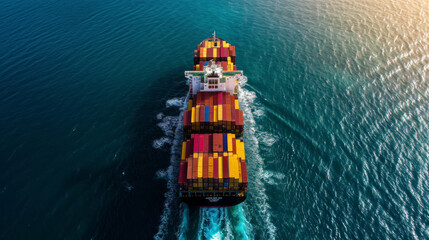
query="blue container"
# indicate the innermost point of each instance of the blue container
(225, 143)
(206, 114)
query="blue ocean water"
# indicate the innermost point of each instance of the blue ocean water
(336, 118)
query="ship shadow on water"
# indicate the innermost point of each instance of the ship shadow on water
(134, 192)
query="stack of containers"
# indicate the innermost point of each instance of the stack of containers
(220, 51)
(213, 162)
(213, 112)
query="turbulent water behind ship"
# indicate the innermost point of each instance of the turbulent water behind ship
(336, 118)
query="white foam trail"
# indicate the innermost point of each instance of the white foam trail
(267, 138)
(167, 125)
(256, 162)
(271, 177)
(212, 224)
(228, 227)
(175, 102)
(242, 226)
(172, 172)
(159, 143)
(184, 225)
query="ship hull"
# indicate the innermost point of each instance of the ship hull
(224, 201)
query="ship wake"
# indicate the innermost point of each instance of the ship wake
(255, 164)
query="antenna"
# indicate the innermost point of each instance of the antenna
(214, 35)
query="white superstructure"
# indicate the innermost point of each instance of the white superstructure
(213, 80)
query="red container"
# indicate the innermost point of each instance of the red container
(194, 168)
(185, 118)
(206, 143)
(228, 112)
(202, 114)
(201, 143)
(188, 148)
(220, 142)
(189, 172)
(215, 168)
(244, 172)
(211, 114)
(237, 117)
(225, 167)
(211, 99)
(241, 118)
(232, 51)
(198, 98)
(234, 146)
(181, 172)
(206, 100)
(210, 143)
(210, 53)
(196, 143)
(233, 114)
(224, 113)
(205, 166)
(225, 66)
(235, 68)
(224, 52)
(219, 97)
(214, 146)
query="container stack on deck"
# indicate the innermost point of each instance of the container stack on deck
(213, 112)
(213, 162)
(220, 51)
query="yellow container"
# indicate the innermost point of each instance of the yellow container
(215, 155)
(231, 167)
(220, 167)
(215, 114)
(225, 154)
(183, 151)
(228, 59)
(237, 105)
(237, 145)
(195, 155)
(200, 166)
(204, 52)
(193, 115)
(219, 113)
(210, 167)
(214, 52)
(243, 155)
(240, 178)
(229, 142)
(190, 104)
(197, 114)
(236, 168)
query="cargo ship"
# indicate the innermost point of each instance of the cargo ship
(213, 170)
